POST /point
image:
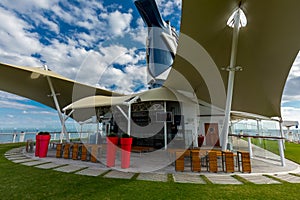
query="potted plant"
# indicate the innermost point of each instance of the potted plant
(42, 143)
(126, 142)
(111, 148)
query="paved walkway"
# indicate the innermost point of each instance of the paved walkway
(264, 171)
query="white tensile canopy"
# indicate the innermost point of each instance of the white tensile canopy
(32, 83)
(45, 86)
(266, 50)
(157, 94)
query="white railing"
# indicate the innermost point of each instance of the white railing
(14, 137)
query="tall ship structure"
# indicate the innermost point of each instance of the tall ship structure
(161, 43)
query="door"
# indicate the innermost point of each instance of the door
(212, 134)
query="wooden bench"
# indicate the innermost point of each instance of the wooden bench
(59, 150)
(212, 161)
(95, 153)
(195, 161)
(66, 151)
(228, 161)
(243, 158)
(75, 151)
(83, 153)
(179, 162)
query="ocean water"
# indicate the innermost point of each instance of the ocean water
(9, 136)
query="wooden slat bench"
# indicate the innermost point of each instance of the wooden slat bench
(179, 163)
(212, 161)
(243, 158)
(59, 150)
(228, 161)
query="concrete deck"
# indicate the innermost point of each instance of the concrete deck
(159, 166)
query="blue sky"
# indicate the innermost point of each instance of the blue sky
(75, 38)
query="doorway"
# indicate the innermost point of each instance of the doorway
(212, 134)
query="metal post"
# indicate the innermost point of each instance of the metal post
(250, 147)
(80, 132)
(258, 130)
(60, 115)
(195, 138)
(97, 131)
(122, 111)
(231, 69)
(281, 145)
(165, 127)
(282, 133)
(129, 119)
(14, 137)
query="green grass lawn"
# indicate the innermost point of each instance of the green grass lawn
(292, 151)
(22, 182)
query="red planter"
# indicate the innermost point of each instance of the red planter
(37, 145)
(200, 140)
(126, 150)
(111, 148)
(43, 145)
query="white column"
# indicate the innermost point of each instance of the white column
(60, 115)
(129, 120)
(195, 137)
(281, 145)
(258, 130)
(165, 127)
(22, 137)
(231, 69)
(14, 137)
(250, 147)
(97, 131)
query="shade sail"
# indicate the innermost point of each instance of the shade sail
(267, 48)
(32, 83)
(157, 94)
(96, 101)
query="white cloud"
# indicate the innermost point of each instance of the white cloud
(28, 5)
(8, 100)
(9, 96)
(118, 23)
(290, 113)
(15, 105)
(14, 35)
(140, 33)
(167, 7)
(291, 91)
(43, 21)
(97, 68)
(125, 81)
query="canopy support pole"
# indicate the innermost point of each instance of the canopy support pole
(258, 129)
(165, 127)
(282, 133)
(60, 115)
(281, 145)
(232, 68)
(129, 120)
(250, 147)
(128, 116)
(122, 111)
